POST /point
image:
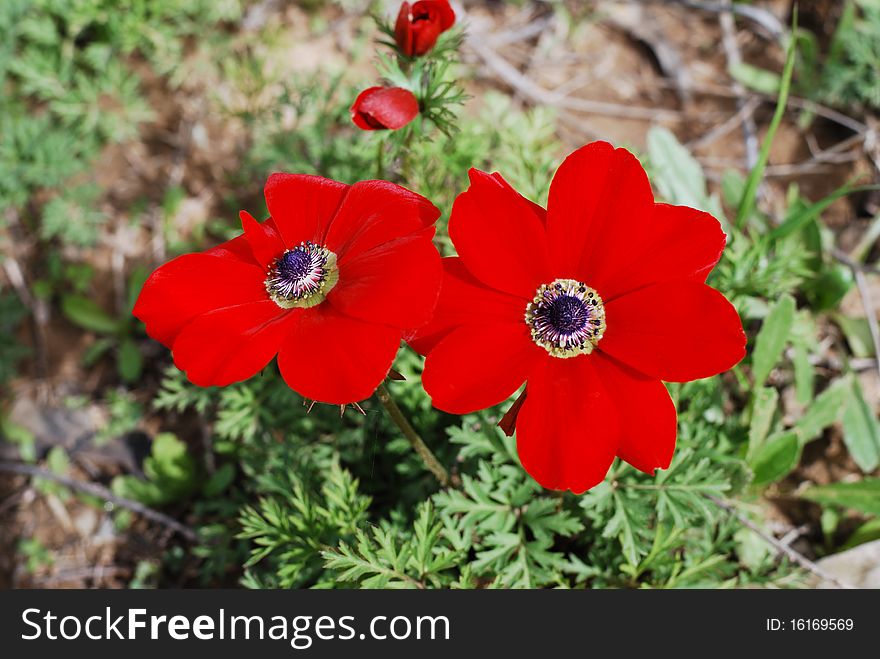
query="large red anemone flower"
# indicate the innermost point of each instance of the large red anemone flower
(418, 26)
(384, 108)
(329, 283)
(592, 303)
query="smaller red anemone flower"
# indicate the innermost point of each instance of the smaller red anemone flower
(419, 26)
(593, 303)
(330, 283)
(384, 108)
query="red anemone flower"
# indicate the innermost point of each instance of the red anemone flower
(418, 27)
(592, 303)
(383, 108)
(329, 283)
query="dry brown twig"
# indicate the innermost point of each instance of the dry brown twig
(101, 492)
(482, 44)
(734, 59)
(780, 547)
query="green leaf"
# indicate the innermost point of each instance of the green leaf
(129, 361)
(861, 431)
(760, 80)
(219, 481)
(867, 532)
(831, 285)
(776, 458)
(772, 338)
(811, 212)
(862, 496)
(88, 315)
(858, 334)
(96, 350)
(765, 401)
(824, 411)
(804, 373)
(677, 174)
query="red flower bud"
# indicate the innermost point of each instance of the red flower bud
(419, 26)
(381, 108)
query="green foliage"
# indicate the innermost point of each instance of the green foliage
(170, 474)
(848, 74)
(862, 496)
(36, 554)
(772, 338)
(118, 335)
(292, 526)
(287, 496)
(12, 313)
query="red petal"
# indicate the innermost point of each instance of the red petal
(681, 243)
(402, 34)
(374, 212)
(599, 211)
(395, 283)
(499, 238)
(447, 15)
(567, 430)
(677, 331)
(384, 107)
(477, 366)
(335, 359)
(464, 301)
(264, 240)
(194, 284)
(302, 206)
(539, 211)
(233, 344)
(424, 35)
(647, 438)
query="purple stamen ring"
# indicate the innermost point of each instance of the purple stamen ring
(302, 276)
(566, 318)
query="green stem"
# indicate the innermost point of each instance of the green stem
(412, 436)
(747, 202)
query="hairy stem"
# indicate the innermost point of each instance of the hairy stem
(412, 436)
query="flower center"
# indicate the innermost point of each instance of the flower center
(302, 276)
(566, 318)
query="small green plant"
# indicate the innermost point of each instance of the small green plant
(170, 474)
(118, 334)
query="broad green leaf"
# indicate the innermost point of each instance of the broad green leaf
(858, 334)
(867, 532)
(679, 177)
(861, 431)
(763, 408)
(804, 374)
(803, 338)
(776, 458)
(824, 411)
(733, 184)
(88, 315)
(96, 350)
(759, 80)
(862, 496)
(129, 361)
(830, 286)
(772, 338)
